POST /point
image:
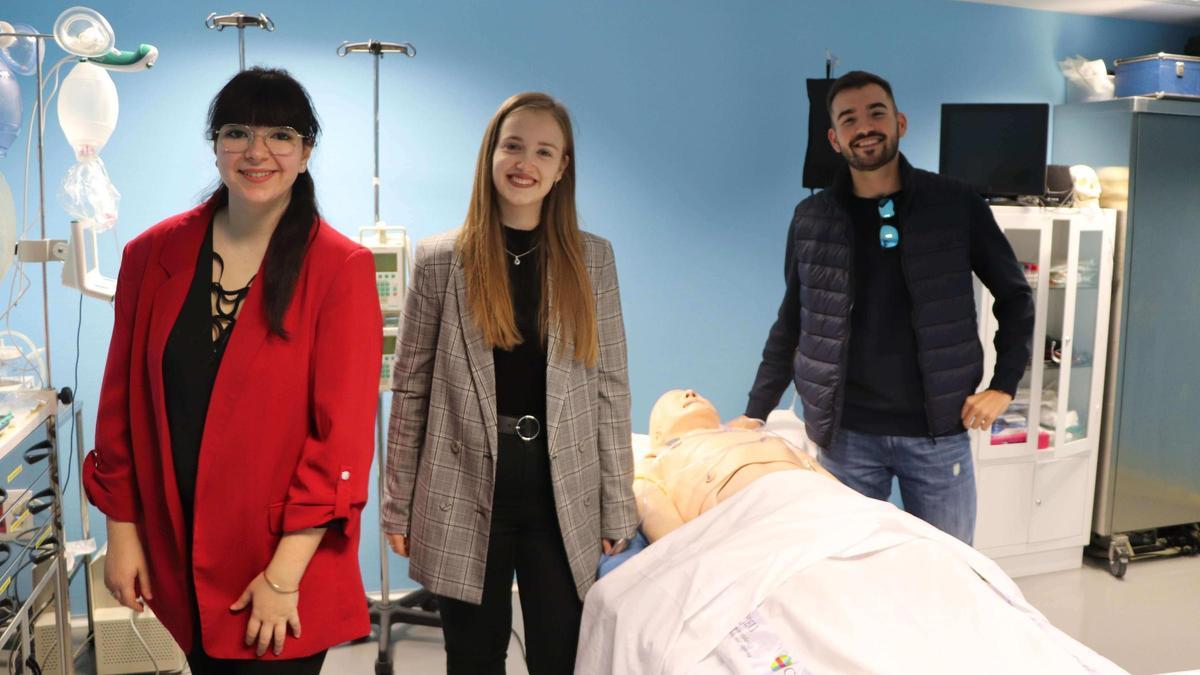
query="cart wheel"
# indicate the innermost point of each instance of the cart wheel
(1118, 556)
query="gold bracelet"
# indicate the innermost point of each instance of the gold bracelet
(276, 587)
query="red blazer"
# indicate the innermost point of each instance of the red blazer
(287, 444)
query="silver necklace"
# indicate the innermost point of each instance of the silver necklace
(517, 258)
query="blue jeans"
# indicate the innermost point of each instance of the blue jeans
(937, 478)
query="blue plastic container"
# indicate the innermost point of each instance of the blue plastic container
(1160, 75)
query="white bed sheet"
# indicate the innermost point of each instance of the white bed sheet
(824, 578)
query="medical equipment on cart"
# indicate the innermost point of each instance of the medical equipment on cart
(87, 111)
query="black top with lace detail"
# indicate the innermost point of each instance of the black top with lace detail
(191, 360)
(225, 308)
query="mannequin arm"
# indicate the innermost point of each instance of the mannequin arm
(656, 509)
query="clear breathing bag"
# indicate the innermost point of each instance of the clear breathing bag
(88, 194)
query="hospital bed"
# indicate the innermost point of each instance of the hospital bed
(797, 574)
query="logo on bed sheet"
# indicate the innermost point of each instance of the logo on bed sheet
(757, 648)
(784, 665)
(782, 661)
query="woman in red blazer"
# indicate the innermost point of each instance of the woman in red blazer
(235, 427)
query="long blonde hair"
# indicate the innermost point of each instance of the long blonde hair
(481, 247)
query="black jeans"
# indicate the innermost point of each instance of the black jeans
(524, 538)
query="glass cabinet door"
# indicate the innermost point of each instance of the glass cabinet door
(1080, 360)
(1018, 432)
(1055, 347)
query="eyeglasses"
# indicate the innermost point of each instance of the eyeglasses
(889, 236)
(280, 141)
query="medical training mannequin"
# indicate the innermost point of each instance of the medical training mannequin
(694, 463)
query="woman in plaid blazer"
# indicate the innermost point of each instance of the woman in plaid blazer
(509, 441)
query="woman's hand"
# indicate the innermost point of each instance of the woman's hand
(125, 573)
(271, 613)
(272, 610)
(399, 543)
(611, 547)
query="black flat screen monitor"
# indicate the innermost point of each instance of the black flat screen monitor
(999, 148)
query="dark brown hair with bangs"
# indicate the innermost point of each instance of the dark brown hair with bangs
(271, 97)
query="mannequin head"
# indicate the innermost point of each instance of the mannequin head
(679, 411)
(1087, 186)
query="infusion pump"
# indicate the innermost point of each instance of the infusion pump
(389, 277)
(390, 333)
(390, 246)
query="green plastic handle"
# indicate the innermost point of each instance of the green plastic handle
(123, 58)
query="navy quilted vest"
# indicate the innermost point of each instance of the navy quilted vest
(935, 255)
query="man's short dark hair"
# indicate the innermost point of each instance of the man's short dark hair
(856, 79)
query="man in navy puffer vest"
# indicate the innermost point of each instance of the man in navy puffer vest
(878, 326)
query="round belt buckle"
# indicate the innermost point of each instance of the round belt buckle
(528, 428)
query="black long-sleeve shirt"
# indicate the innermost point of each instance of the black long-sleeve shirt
(521, 371)
(884, 392)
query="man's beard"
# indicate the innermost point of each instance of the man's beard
(887, 152)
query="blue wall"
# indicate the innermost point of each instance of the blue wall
(691, 129)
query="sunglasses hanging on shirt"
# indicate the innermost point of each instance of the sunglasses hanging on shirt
(889, 236)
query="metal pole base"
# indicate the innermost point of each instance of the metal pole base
(418, 608)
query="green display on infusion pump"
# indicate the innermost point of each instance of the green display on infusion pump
(385, 262)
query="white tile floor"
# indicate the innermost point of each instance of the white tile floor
(1148, 622)
(416, 650)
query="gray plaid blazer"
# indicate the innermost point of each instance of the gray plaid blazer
(442, 432)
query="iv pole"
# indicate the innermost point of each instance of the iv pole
(66, 659)
(377, 49)
(417, 607)
(239, 20)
